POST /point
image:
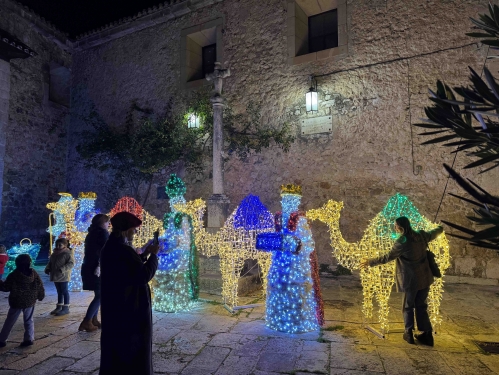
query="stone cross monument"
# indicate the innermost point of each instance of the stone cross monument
(218, 203)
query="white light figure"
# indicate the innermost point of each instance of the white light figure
(175, 285)
(294, 302)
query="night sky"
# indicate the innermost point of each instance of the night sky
(76, 17)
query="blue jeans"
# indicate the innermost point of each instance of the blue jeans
(62, 293)
(10, 320)
(416, 300)
(93, 308)
(1, 276)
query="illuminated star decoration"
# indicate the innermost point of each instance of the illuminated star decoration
(294, 302)
(234, 242)
(176, 284)
(24, 247)
(378, 240)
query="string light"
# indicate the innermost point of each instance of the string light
(294, 303)
(378, 240)
(24, 247)
(234, 242)
(73, 217)
(176, 285)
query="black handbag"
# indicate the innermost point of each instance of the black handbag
(433, 264)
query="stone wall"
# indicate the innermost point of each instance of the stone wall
(35, 134)
(396, 50)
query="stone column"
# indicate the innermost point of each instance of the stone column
(4, 117)
(218, 203)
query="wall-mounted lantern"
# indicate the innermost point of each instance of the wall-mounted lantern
(311, 97)
(193, 120)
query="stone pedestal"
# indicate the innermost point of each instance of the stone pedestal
(4, 117)
(218, 210)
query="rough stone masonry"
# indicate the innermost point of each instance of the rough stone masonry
(374, 87)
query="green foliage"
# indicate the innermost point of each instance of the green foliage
(146, 143)
(470, 123)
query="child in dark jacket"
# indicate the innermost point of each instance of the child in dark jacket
(59, 268)
(25, 287)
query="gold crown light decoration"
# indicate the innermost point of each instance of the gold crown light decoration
(291, 189)
(378, 240)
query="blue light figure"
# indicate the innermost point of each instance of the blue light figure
(294, 303)
(175, 285)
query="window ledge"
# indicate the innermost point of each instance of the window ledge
(336, 53)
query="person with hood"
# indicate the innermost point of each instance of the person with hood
(25, 287)
(90, 269)
(413, 276)
(126, 338)
(59, 268)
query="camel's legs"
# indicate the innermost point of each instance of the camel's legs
(264, 260)
(434, 298)
(231, 265)
(367, 305)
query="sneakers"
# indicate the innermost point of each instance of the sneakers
(87, 326)
(95, 322)
(409, 337)
(57, 309)
(26, 343)
(64, 311)
(425, 338)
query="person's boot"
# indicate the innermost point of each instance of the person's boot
(425, 338)
(64, 310)
(409, 337)
(57, 309)
(96, 322)
(87, 326)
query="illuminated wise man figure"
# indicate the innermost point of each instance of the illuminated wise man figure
(294, 302)
(176, 286)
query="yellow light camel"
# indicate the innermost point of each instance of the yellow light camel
(232, 243)
(378, 240)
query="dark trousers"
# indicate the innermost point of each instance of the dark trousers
(93, 308)
(416, 300)
(62, 293)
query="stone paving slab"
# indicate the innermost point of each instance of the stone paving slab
(208, 340)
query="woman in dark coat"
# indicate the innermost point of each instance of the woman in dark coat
(413, 276)
(90, 270)
(126, 339)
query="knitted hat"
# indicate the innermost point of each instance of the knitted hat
(124, 221)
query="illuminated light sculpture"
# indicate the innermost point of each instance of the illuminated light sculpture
(176, 285)
(73, 217)
(149, 222)
(234, 242)
(378, 240)
(294, 302)
(25, 247)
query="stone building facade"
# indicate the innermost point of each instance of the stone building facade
(374, 85)
(35, 97)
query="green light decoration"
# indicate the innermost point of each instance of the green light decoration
(378, 240)
(176, 284)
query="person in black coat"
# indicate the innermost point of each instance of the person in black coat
(413, 276)
(90, 270)
(126, 339)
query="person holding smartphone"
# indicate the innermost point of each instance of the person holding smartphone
(126, 315)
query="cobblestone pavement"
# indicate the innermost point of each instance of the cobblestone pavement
(210, 341)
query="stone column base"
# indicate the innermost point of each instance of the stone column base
(218, 210)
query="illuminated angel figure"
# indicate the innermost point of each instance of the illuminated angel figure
(294, 302)
(378, 240)
(176, 285)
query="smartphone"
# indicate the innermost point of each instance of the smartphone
(155, 241)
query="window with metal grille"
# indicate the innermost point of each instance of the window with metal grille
(209, 55)
(323, 31)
